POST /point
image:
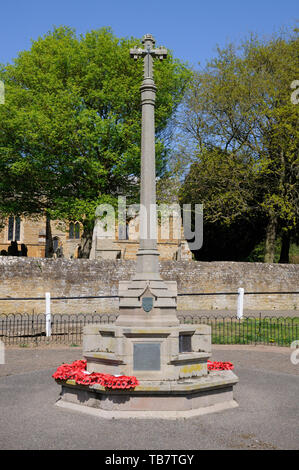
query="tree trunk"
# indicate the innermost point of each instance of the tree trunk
(49, 241)
(86, 241)
(285, 238)
(285, 248)
(270, 239)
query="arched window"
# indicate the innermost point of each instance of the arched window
(71, 230)
(55, 243)
(14, 228)
(17, 228)
(11, 222)
(123, 231)
(74, 230)
(77, 230)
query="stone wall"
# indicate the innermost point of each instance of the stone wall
(32, 277)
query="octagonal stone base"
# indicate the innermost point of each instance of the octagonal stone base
(154, 399)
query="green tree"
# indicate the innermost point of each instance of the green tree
(226, 184)
(70, 126)
(240, 103)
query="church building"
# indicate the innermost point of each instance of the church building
(30, 235)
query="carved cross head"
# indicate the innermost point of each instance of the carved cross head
(148, 54)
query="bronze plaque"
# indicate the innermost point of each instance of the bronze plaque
(146, 356)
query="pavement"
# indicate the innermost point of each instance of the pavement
(267, 417)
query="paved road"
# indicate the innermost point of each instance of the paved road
(267, 416)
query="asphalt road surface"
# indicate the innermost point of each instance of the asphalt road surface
(267, 416)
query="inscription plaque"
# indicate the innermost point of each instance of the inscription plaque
(147, 356)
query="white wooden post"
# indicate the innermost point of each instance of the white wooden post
(240, 302)
(48, 314)
(2, 352)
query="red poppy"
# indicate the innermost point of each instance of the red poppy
(218, 365)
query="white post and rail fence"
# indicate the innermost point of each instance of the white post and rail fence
(240, 304)
(48, 314)
(240, 309)
(281, 328)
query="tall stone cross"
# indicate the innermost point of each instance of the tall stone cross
(148, 53)
(147, 300)
(147, 255)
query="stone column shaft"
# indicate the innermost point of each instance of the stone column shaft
(147, 256)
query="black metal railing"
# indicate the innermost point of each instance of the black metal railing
(261, 329)
(65, 328)
(25, 329)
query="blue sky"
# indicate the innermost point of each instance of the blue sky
(191, 28)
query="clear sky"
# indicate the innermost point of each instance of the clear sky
(191, 28)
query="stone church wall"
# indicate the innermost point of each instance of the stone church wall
(32, 277)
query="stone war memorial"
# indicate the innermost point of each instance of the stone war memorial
(169, 360)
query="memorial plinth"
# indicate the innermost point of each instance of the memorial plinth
(147, 340)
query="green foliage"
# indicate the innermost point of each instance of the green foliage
(294, 253)
(245, 132)
(70, 127)
(258, 253)
(225, 182)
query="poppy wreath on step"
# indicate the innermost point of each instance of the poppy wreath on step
(77, 372)
(219, 365)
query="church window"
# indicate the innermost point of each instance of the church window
(74, 230)
(14, 228)
(77, 230)
(55, 244)
(71, 230)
